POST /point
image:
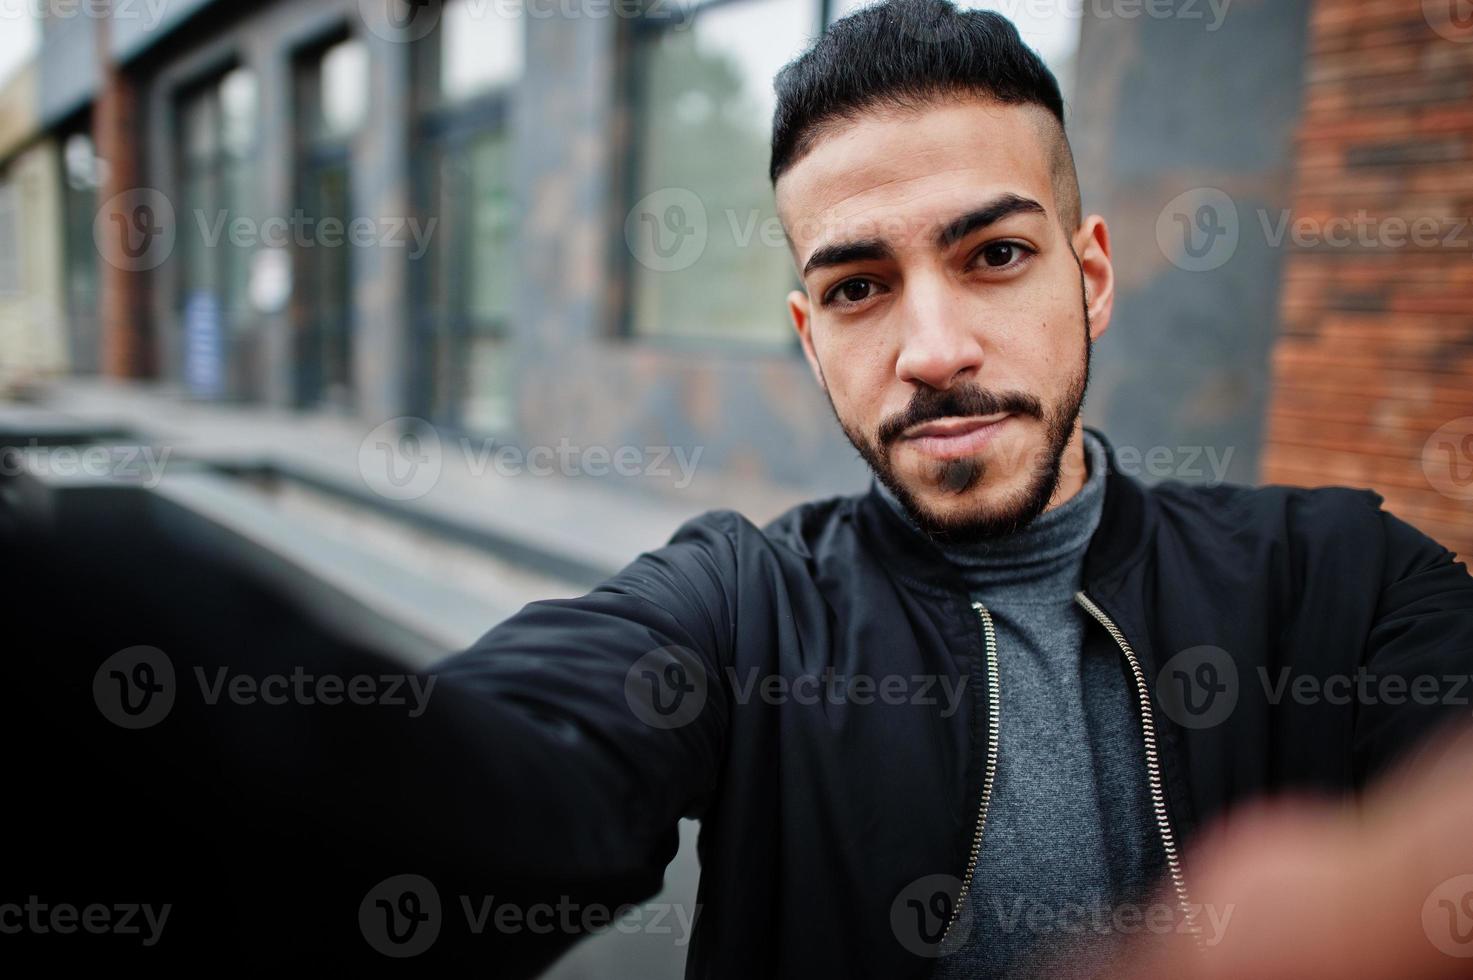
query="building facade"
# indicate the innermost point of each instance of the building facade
(544, 221)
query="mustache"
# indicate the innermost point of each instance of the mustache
(929, 404)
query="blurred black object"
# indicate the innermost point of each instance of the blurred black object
(265, 828)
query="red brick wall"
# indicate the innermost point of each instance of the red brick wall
(126, 351)
(1373, 371)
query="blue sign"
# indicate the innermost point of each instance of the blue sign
(204, 346)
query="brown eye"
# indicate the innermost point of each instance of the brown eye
(855, 290)
(999, 254)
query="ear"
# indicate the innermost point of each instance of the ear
(798, 309)
(1092, 245)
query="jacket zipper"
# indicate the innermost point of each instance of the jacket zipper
(990, 770)
(1153, 765)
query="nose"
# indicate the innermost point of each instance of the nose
(940, 343)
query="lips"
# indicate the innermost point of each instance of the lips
(953, 438)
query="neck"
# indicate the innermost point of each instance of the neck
(1073, 470)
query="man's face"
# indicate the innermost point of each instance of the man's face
(945, 312)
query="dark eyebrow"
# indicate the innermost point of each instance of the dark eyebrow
(988, 214)
(868, 249)
(842, 253)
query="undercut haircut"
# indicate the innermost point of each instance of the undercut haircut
(906, 55)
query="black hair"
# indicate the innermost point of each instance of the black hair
(904, 54)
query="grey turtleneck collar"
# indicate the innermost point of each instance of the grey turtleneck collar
(1045, 557)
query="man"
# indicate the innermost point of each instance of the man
(954, 723)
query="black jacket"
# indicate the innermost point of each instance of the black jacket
(668, 691)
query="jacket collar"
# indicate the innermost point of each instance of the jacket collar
(1119, 542)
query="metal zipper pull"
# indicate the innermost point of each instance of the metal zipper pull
(1153, 765)
(989, 772)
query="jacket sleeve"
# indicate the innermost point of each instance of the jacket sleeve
(1422, 635)
(603, 716)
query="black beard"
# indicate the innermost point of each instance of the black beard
(959, 476)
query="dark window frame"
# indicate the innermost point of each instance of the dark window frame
(442, 129)
(641, 31)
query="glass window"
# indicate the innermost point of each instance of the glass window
(84, 174)
(482, 48)
(10, 244)
(239, 104)
(465, 285)
(703, 112)
(332, 92)
(217, 122)
(344, 82)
